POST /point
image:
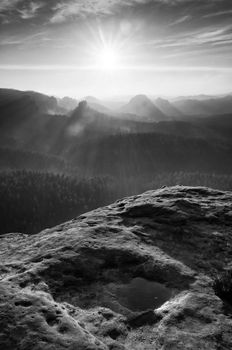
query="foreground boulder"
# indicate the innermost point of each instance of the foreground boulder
(138, 274)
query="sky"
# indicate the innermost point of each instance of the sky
(116, 47)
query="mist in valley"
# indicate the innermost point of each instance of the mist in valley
(61, 157)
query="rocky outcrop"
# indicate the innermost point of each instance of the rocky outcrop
(137, 274)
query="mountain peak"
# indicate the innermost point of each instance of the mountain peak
(82, 105)
(142, 106)
(91, 99)
(160, 99)
(140, 98)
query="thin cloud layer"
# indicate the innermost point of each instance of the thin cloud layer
(58, 11)
(7, 5)
(64, 11)
(148, 34)
(31, 10)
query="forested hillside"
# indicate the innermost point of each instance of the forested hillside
(11, 158)
(54, 167)
(33, 201)
(147, 154)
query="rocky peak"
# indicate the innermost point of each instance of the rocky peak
(138, 274)
(80, 112)
(82, 105)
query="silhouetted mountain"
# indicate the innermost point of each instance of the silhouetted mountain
(44, 103)
(191, 108)
(15, 111)
(9, 95)
(167, 108)
(200, 97)
(100, 108)
(22, 125)
(220, 106)
(86, 120)
(84, 116)
(142, 106)
(206, 107)
(67, 103)
(23, 122)
(91, 99)
(99, 143)
(97, 105)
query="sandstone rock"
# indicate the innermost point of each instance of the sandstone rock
(70, 287)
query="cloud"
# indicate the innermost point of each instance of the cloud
(6, 5)
(219, 13)
(63, 11)
(24, 40)
(58, 11)
(11, 10)
(210, 37)
(181, 20)
(214, 36)
(30, 10)
(161, 23)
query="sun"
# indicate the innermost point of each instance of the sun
(108, 59)
(106, 50)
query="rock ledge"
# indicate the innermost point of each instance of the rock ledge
(88, 284)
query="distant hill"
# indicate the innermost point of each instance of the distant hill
(44, 103)
(9, 95)
(67, 103)
(125, 145)
(191, 108)
(206, 107)
(23, 122)
(218, 106)
(167, 108)
(142, 106)
(97, 105)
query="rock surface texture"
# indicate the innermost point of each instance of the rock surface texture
(87, 284)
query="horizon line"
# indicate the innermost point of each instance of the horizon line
(119, 68)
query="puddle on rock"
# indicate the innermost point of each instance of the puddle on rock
(134, 295)
(141, 294)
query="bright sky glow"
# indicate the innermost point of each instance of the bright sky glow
(108, 59)
(86, 47)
